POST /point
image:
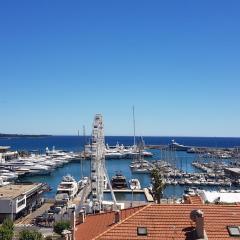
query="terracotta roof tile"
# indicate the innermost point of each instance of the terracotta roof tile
(99, 223)
(196, 199)
(173, 222)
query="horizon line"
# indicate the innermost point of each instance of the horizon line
(157, 136)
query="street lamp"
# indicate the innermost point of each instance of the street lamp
(11, 205)
(133, 188)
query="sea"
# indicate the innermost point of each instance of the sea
(78, 169)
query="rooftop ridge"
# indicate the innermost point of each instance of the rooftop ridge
(105, 213)
(199, 204)
(132, 215)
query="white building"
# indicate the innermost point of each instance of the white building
(19, 199)
(220, 196)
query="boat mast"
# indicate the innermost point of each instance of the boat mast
(134, 128)
(84, 153)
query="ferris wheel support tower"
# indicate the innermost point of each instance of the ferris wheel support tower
(99, 177)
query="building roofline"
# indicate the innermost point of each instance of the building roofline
(115, 225)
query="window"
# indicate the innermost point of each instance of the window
(234, 231)
(142, 231)
(21, 203)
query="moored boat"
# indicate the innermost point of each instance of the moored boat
(68, 186)
(119, 181)
(134, 184)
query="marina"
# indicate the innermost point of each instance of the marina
(57, 163)
(93, 185)
(125, 175)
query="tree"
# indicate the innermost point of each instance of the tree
(30, 235)
(158, 184)
(60, 226)
(6, 230)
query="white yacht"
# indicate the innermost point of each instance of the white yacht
(82, 183)
(177, 146)
(68, 185)
(8, 175)
(134, 184)
(38, 169)
(120, 151)
(3, 182)
(51, 164)
(34, 168)
(59, 154)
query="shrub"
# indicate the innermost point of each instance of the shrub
(6, 230)
(8, 224)
(60, 226)
(30, 235)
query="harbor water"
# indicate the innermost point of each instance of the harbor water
(77, 168)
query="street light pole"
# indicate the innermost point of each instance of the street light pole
(133, 188)
(11, 204)
(132, 198)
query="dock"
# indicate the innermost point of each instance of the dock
(125, 191)
(144, 190)
(82, 196)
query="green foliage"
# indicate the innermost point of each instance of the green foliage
(8, 224)
(6, 230)
(30, 235)
(5, 234)
(60, 226)
(158, 184)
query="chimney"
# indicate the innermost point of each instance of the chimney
(117, 216)
(66, 234)
(197, 216)
(81, 216)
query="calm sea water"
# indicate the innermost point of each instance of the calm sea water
(75, 143)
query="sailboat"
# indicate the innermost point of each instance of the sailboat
(139, 164)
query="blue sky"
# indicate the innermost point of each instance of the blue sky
(177, 61)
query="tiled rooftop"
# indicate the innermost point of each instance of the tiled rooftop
(99, 223)
(195, 199)
(166, 222)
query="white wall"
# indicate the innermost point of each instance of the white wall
(9, 206)
(5, 206)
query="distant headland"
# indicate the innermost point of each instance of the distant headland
(5, 135)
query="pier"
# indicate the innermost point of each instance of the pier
(145, 191)
(83, 195)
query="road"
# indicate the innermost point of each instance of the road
(28, 219)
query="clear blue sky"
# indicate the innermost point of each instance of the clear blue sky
(177, 61)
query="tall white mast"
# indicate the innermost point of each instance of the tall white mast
(134, 128)
(84, 152)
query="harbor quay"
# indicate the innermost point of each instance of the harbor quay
(207, 152)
